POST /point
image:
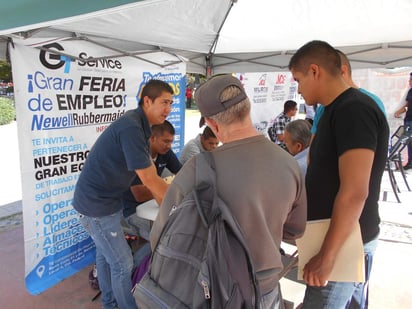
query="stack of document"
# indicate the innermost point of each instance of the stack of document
(350, 263)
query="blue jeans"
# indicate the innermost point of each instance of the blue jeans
(141, 226)
(114, 260)
(341, 295)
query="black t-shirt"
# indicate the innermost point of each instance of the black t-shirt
(353, 120)
(408, 115)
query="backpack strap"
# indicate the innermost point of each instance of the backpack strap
(205, 169)
(205, 179)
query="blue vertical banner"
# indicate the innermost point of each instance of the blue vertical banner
(62, 106)
(177, 116)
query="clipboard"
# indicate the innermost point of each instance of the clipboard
(350, 263)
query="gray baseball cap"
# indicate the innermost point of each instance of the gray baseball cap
(207, 95)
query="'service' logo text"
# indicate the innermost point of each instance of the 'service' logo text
(55, 61)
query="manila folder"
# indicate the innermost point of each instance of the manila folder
(349, 265)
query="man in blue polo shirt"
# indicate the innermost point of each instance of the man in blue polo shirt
(120, 152)
(163, 157)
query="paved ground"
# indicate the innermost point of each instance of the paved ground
(389, 284)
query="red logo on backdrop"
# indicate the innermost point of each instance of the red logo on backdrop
(281, 79)
(262, 80)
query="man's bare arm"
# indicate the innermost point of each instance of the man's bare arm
(153, 182)
(141, 193)
(402, 110)
(354, 172)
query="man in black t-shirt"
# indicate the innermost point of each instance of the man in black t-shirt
(347, 159)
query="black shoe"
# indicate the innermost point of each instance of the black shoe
(407, 166)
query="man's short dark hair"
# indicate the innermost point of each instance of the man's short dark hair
(166, 126)
(289, 105)
(345, 61)
(153, 89)
(208, 133)
(319, 53)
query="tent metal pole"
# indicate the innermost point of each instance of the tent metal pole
(214, 44)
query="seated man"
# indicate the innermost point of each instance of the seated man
(163, 157)
(297, 139)
(207, 141)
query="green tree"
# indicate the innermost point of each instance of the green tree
(5, 71)
(7, 112)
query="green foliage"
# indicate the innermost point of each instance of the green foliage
(7, 111)
(5, 71)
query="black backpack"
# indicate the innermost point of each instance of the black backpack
(201, 259)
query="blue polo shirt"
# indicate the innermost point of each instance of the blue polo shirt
(110, 166)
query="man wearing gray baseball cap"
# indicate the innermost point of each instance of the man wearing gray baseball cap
(260, 182)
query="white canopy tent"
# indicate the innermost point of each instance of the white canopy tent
(217, 36)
